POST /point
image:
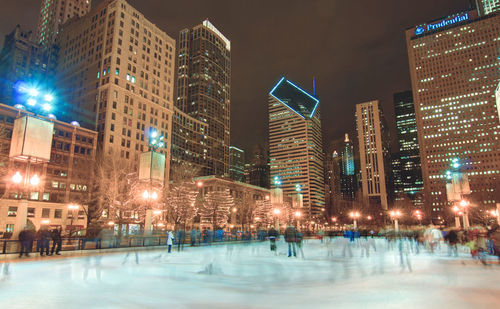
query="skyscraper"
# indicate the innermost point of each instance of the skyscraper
(332, 182)
(189, 141)
(374, 145)
(485, 7)
(257, 171)
(410, 177)
(348, 183)
(118, 69)
(54, 13)
(454, 73)
(204, 88)
(295, 144)
(237, 166)
(21, 60)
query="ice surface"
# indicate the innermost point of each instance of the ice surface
(251, 276)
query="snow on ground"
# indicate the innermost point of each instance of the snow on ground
(251, 276)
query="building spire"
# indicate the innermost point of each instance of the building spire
(346, 138)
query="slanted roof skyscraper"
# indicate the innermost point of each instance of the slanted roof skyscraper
(295, 144)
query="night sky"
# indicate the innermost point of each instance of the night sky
(355, 49)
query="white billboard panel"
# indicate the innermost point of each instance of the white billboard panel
(31, 139)
(152, 166)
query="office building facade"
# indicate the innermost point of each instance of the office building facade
(118, 72)
(454, 72)
(485, 7)
(204, 88)
(295, 144)
(408, 179)
(348, 182)
(54, 13)
(189, 141)
(237, 164)
(374, 150)
(22, 62)
(66, 178)
(257, 170)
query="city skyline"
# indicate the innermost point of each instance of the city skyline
(258, 62)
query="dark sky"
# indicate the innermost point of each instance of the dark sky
(355, 49)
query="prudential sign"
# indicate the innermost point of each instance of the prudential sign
(443, 23)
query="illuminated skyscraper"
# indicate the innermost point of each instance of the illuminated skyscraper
(408, 157)
(348, 183)
(295, 144)
(20, 60)
(485, 7)
(204, 88)
(118, 71)
(454, 70)
(54, 13)
(237, 166)
(374, 151)
(332, 182)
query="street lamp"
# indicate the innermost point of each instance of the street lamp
(395, 215)
(72, 208)
(419, 215)
(465, 217)
(355, 215)
(298, 214)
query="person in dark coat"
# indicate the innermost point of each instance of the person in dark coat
(452, 239)
(291, 238)
(43, 240)
(56, 241)
(273, 235)
(24, 240)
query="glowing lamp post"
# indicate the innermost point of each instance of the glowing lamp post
(465, 217)
(298, 214)
(152, 169)
(395, 215)
(355, 215)
(419, 215)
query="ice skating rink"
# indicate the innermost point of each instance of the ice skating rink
(251, 276)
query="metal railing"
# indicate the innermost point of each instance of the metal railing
(8, 246)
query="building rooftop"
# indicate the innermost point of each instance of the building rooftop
(295, 98)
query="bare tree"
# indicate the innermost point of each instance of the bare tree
(181, 197)
(216, 206)
(120, 190)
(246, 207)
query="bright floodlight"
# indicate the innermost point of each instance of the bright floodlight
(145, 194)
(17, 178)
(31, 102)
(46, 107)
(154, 195)
(154, 134)
(276, 211)
(32, 92)
(464, 203)
(19, 106)
(35, 180)
(75, 123)
(48, 97)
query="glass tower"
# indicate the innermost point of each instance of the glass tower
(203, 89)
(410, 176)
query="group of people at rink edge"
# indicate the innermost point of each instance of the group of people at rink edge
(480, 241)
(43, 237)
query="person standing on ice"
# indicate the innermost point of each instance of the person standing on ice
(290, 238)
(273, 235)
(170, 240)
